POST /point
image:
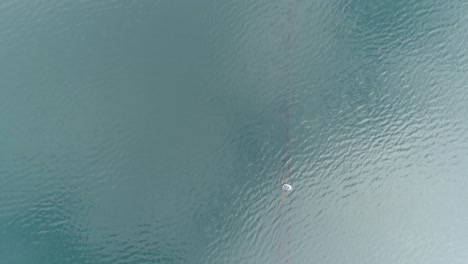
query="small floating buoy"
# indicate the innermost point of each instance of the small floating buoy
(287, 187)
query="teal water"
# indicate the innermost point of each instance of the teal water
(155, 131)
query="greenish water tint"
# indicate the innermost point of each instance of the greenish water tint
(154, 131)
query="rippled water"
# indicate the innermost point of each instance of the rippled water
(157, 131)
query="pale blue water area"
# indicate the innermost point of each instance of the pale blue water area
(157, 131)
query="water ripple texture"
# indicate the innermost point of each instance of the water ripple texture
(160, 131)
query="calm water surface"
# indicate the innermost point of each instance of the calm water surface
(156, 131)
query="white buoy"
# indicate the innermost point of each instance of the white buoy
(287, 187)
